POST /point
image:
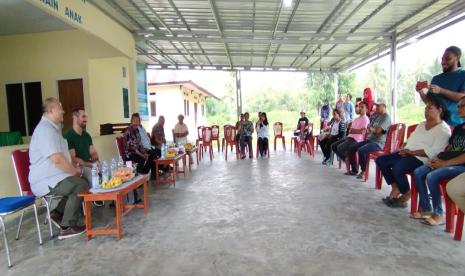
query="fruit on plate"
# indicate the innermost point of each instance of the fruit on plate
(112, 183)
(170, 154)
(124, 173)
(188, 146)
(173, 150)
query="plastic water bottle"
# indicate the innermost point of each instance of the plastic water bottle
(120, 162)
(112, 167)
(163, 152)
(104, 171)
(95, 177)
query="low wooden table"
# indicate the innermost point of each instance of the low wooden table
(171, 162)
(121, 208)
(189, 153)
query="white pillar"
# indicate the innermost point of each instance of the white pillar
(393, 76)
(238, 93)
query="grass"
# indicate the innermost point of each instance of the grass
(409, 114)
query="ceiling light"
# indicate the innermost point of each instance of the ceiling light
(287, 3)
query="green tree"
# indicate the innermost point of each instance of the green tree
(377, 80)
(346, 82)
(431, 70)
(321, 88)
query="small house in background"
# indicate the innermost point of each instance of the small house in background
(169, 99)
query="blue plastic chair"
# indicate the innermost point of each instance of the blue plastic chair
(11, 205)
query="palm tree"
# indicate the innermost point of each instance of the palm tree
(377, 81)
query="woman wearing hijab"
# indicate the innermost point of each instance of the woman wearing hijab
(368, 99)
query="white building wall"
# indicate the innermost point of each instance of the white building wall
(170, 103)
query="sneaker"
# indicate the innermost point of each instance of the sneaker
(56, 218)
(361, 175)
(71, 232)
(98, 203)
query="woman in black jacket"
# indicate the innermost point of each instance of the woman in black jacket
(334, 132)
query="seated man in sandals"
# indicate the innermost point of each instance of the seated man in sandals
(428, 139)
(446, 165)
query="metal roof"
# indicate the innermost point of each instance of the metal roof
(269, 35)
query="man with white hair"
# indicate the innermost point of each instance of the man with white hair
(52, 172)
(180, 131)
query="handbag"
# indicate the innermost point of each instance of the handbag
(447, 155)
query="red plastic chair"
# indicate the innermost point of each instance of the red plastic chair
(216, 135)
(120, 146)
(300, 143)
(395, 139)
(413, 190)
(199, 136)
(21, 164)
(223, 140)
(451, 208)
(207, 139)
(230, 136)
(278, 134)
(459, 226)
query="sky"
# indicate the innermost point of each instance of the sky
(423, 51)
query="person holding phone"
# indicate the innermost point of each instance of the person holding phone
(446, 165)
(449, 85)
(262, 134)
(429, 138)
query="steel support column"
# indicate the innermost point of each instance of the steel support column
(238, 93)
(393, 77)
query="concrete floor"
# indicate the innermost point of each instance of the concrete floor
(282, 216)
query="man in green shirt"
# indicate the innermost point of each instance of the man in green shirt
(81, 148)
(80, 144)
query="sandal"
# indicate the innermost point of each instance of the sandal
(350, 173)
(421, 215)
(433, 222)
(388, 198)
(396, 203)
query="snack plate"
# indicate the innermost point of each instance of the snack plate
(120, 187)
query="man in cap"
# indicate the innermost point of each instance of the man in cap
(450, 84)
